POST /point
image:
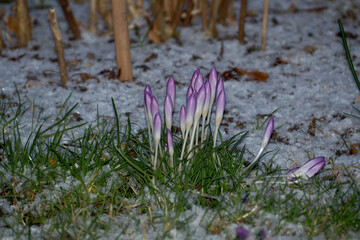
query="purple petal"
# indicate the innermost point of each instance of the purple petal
(170, 141)
(263, 234)
(194, 76)
(220, 107)
(219, 87)
(148, 89)
(242, 233)
(171, 89)
(213, 81)
(268, 131)
(207, 98)
(157, 127)
(168, 110)
(189, 92)
(148, 99)
(200, 100)
(190, 111)
(291, 176)
(154, 106)
(182, 119)
(316, 168)
(199, 82)
(304, 169)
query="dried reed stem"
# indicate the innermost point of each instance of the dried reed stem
(105, 12)
(70, 19)
(177, 14)
(24, 23)
(188, 13)
(223, 11)
(264, 25)
(122, 43)
(204, 9)
(213, 17)
(93, 16)
(241, 33)
(58, 46)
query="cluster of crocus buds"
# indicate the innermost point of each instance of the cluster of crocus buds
(200, 97)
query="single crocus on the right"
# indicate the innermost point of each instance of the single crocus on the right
(308, 170)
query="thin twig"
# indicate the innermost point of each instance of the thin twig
(241, 33)
(264, 25)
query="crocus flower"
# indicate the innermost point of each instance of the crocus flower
(171, 90)
(220, 107)
(154, 106)
(219, 87)
(157, 128)
(168, 109)
(182, 119)
(200, 100)
(147, 100)
(148, 89)
(189, 91)
(199, 82)
(190, 111)
(170, 144)
(207, 99)
(242, 233)
(213, 81)
(194, 76)
(309, 169)
(268, 131)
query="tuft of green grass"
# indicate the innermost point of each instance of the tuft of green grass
(96, 182)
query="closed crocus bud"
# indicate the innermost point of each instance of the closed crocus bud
(219, 87)
(309, 169)
(147, 99)
(170, 142)
(154, 106)
(190, 111)
(171, 90)
(220, 107)
(168, 109)
(189, 91)
(200, 100)
(148, 89)
(268, 131)
(182, 119)
(199, 82)
(157, 128)
(213, 81)
(242, 233)
(207, 98)
(194, 76)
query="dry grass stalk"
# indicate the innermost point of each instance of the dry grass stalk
(93, 16)
(241, 32)
(215, 4)
(1, 39)
(70, 19)
(58, 46)
(264, 25)
(122, 42)
(204, 9)
(177, 14)
(169, 9)
(188, 16)
(24, 23)
(223, 11)
(105, 12)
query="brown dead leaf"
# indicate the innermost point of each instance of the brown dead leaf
(235, 73)
(89, 64)
(257, 76)
(32, 84)
(280, 60)
(354, 148)
(53, 162)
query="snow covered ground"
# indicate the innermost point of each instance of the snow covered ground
(310, 84)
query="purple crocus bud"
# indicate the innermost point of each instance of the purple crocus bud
(147, 99)
(190, 111)
(171, 90)
(194, 76)
(168, 109)
(268, 131)
(200, 100)
(290, 173)
(219, 87)
(310, 168)
(213, 81)
(207, 98)
(189, 91)
(199, 82)
(157, 128)
(182, 119)
(154, 106)
(242, 233)
(170, 142)
(263, 234)
(220, 107)
(148, 89)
